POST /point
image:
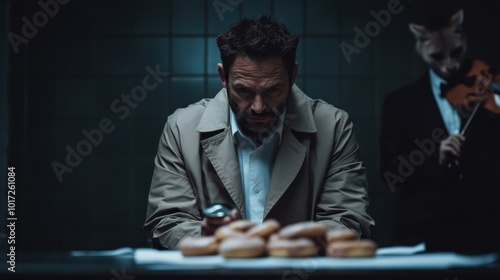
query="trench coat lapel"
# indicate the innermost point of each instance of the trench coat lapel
(220, 149)
(289, 160)
(291, 153)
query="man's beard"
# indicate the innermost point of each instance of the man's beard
(257, 131)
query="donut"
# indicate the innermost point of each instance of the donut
(265, 229)
(352, 249)
(242, 225)
(242, 247)
(272, 237)
(341, 235)
(198, 246)
(292, 248)
(224, 232)
(303, 229)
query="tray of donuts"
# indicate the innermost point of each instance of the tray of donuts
(246, 239)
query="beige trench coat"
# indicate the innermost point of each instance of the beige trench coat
(317, 173)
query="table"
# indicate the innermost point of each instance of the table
(144, 263)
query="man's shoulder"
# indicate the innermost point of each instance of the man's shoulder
(322, 109)
(319, 107)
(189, 114)
(326, 116)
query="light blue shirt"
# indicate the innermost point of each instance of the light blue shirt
(256, 166)
(449, 115)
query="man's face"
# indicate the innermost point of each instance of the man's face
(257, 92)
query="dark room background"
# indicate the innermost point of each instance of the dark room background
(67, 71)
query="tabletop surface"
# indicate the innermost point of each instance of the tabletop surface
(145, 263)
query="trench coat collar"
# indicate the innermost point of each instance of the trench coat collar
(299, 116)
(299, 112)
(216, 115)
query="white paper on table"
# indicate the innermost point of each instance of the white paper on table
(418, 261)
(401, 250)
(175, 259)
(387, 259)
(120, 252)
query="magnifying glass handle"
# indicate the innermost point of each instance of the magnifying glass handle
(217, 210)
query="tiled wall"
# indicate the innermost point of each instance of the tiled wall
(66, 78)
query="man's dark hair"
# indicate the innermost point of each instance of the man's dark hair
(258, 39)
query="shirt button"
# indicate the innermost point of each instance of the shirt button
(256, 189)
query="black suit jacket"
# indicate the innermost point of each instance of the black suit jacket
(412, 129)
(448, 208)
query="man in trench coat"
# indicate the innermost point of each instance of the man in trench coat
(314, 169)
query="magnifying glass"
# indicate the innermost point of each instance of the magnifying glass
(217, 210)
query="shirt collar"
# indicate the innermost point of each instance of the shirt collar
(436, 82)
(235, 127)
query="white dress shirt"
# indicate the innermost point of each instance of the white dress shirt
(449, 115)
(256, 166)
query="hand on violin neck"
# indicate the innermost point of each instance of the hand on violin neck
(450, 148)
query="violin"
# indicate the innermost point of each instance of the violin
(475, 90)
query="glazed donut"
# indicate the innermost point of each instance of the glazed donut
(341, 235)
(224, 232)
(265, 229)
(199, 246)
(292, 248)
(303, 229)
(352, 249)
(242, 247)
(242, 225)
